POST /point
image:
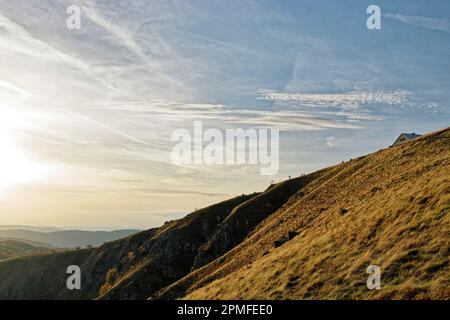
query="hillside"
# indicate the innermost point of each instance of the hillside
(13, 248)
(159, 256)
(389, 208)
(66, 238)
(305, 238)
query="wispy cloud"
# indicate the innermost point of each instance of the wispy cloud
(296, 121)
(352, 99)
(36, 137)
(229, 116)
(105, 126)
(331, 141)
(127, 40)
(125, 37)
(170, 191)
(135, 72)
(19, 32)
(424, 22)
(43, 50)
(12, 87)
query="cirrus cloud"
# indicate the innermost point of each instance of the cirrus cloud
(356, 98)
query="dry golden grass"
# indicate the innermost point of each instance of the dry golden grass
(396, 205)
(390, 208)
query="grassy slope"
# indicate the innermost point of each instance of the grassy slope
(14, 248)
(170, 253)
(183, 246)
(158, 257)
(244, 218)
(41, 276)
(397, 203)
(67, 238)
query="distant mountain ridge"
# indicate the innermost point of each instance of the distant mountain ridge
(29, 228)
(67, 238)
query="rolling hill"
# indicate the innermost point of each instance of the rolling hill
(66, 238)
(311, 237)
(13, 248)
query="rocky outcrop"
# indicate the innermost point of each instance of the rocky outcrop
(245, 217)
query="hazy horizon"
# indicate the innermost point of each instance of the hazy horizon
(69, 228)
(86, 116)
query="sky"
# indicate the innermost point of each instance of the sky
(86, 115)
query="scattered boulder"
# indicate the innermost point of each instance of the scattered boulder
(423, 200)
(279, 243)
(293, 281)
(375, 189)
(292, 235)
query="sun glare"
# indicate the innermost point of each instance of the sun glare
(15, 166)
